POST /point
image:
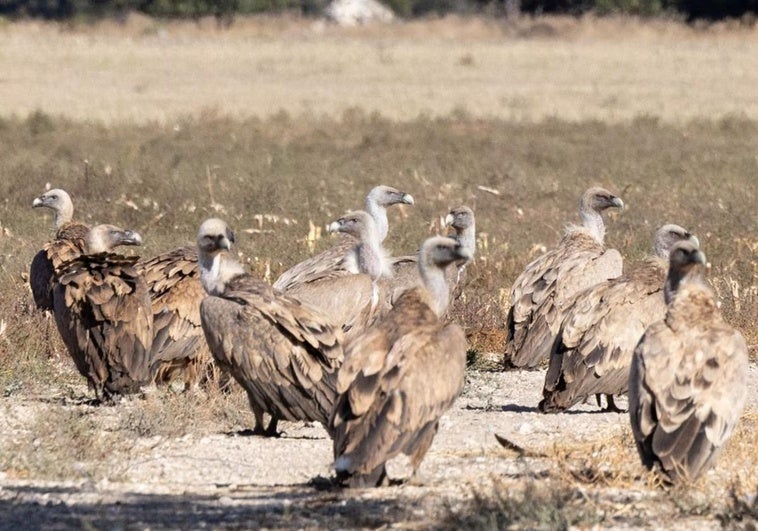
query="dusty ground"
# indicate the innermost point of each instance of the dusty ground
(225, 480)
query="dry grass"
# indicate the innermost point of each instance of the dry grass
(272, 179)
(545, 68)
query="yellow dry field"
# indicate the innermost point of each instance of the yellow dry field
(609, 70)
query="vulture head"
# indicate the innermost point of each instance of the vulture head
(387, 196)
(104, 238)
(435, 255)
(686, 262)
(593, 202)
(217, 268)
(598, 199)
(214, 235)
(59, 202)
(355, 224)
(668, 235)
(460, 218)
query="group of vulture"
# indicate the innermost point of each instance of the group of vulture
(363, 343)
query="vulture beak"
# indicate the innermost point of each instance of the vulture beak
(38, 202)
(697, 257)
(334, 226)
(449, 219)
(694, 240)
(407, 199)
(617, 202)
(224, 243)
(463, 254)
(129, 237)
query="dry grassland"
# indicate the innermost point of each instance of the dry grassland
(166, 461)
(550, 68)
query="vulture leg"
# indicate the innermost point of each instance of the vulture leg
(612, 407)
(271, 429)
(258, 429)
(375, 478)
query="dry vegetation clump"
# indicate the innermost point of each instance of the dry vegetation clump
(278, 181)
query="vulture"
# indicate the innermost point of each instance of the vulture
(688, 379)
(102, 310)
(405, 268)
(544, 289)
(593, 350)
(400, 376)
(335, 262)
(350, 301)
(284, 353)
(69, 243)
(173, 280)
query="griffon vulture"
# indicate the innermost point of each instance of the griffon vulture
(405, 268)
(548, 285)
(334, 261)
(102, 309)
(688, 379)
(69, 243)
(593, 350)
(284, 353)
(173, 279)
(350, 301)
(400, 376)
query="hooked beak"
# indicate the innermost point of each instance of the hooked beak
(694, 240)
(463, 254)
(224, 243)
(407, 199)
(130, 237)
(37, 202)
(334, 226)
(698, 257)
(617, 202)
(449, 219)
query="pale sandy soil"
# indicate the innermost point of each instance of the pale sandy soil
(223, 480)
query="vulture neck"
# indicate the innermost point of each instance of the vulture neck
(678, 279)
(379, 214)
(217, 270)
(97, 244)
(63, 214)
(467, 238)
(433, 279)
(593, 222)
(369, 253)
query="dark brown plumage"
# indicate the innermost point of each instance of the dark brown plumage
(68, 244)
(335, 261)
(547, 286)
(688, 380)
(102, 309)
(282, 352)
(593, 350)
(400, 376)
(173, 279)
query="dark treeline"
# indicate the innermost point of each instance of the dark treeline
(225, 10)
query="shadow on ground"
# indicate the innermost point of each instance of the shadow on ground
(58, 508)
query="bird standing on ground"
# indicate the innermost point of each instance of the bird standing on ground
(400, 376)
(593, 350)
(547, 286)
(284, 353)
(102, 309)
(688, 380)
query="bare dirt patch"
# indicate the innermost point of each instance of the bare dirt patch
(580, 468)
